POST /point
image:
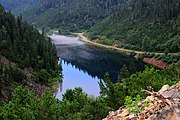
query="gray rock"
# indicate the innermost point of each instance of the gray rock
(164, 88)
(171, 94)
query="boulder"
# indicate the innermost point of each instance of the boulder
(171, 94)
(164, 88)
(124, 113)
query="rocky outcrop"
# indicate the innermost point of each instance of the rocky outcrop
(163, 105)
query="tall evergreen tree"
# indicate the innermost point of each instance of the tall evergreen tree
(124, 72)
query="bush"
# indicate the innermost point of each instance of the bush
(43, 76)
(132, 53)
(75, 104)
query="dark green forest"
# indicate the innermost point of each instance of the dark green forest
(17, 6)
(133, 24)
(23, 44)
(70, 15)
(147, 25)
(25, 54)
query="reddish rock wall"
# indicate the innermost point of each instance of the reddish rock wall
(157, 63)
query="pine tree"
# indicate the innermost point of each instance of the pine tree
(124, 73)
(132, 67)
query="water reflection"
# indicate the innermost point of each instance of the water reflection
(60, 87)
(96, 61)
(72, 78)
(84, 64)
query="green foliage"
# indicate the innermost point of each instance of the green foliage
(70, 15)
(142, 25)
(132, 53)
(105, 41)
(137, 25)
(173, 72)
(132, 104)
(124, 73)
(10, 74)
(167, 58)
(27, 48)
(25, 105)
(132, 86)
(111, 92)
(43, 76)
(149, 77)
(18, 6)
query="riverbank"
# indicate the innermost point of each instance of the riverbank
(85, 39)
(157, 63)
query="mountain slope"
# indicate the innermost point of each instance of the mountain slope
(133, 24)
(24, 52)
(142, 25)
(17, 6)
(71, 15)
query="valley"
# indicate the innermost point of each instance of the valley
(83, 60)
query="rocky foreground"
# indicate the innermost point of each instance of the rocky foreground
(162, 105)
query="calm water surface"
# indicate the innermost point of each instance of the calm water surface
(73, 77)
(83, 65)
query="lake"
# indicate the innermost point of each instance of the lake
(83, 64)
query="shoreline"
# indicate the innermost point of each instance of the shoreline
(127, 51)
(85, 39)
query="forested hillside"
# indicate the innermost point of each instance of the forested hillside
(17, 6)
(71, 15)
(24, 50)
(28, 60)
(148, 25)
(76, 104)
(23, 44)
(134, 24)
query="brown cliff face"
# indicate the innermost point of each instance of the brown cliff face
(164, 105)
(157, 63)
